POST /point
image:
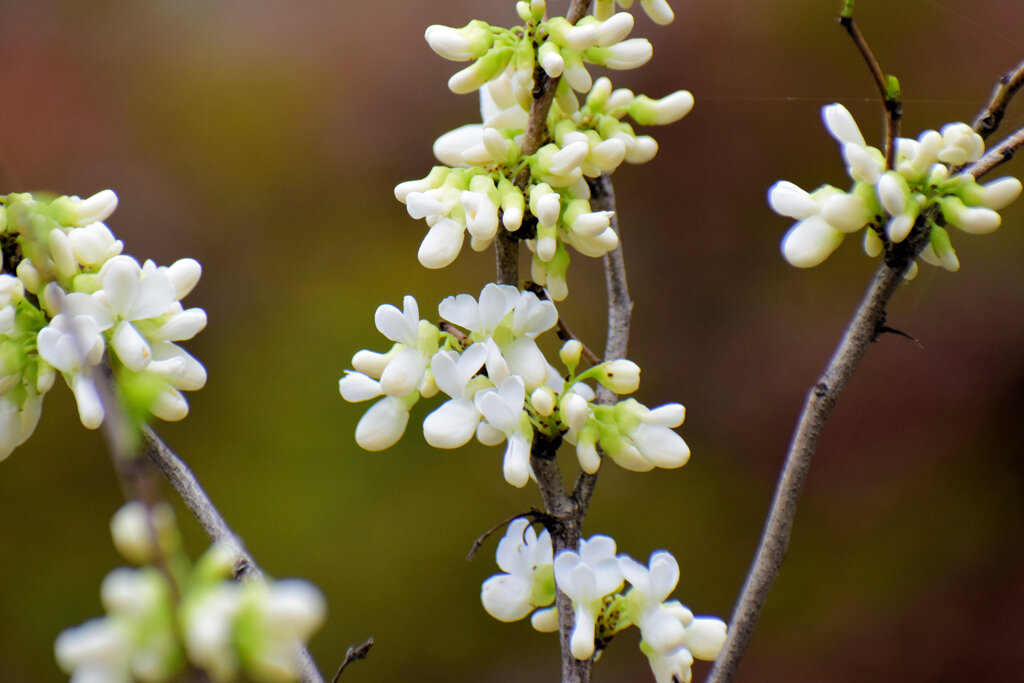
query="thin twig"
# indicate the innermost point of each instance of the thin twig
(886, 86)
(206, 513)
(820, 401)
(352, 654)
(997, 156)
(620, 310)
(991, 116)
(482, 538)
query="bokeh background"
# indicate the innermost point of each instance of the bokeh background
(264, 138)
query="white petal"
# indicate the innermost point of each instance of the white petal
(516, 467)
(450, 147)
(355, 387)
(660, 445)
(810, 242)
(506, 597)
(132, 348)
(705, 637)
(452, 425)
(442, 244)
(382, 425)
(184, 275)
(841, 125)
(404, 373)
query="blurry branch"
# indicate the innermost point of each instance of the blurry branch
(868, 322)
(352, 654)
(989, 119)
(888, 86)
(195, 498)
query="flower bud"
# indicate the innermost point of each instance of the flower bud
(480, 71)
(621, 376)
(543, 401)
(629, 54)
(668, 109)
(570, 353)
(658, 11)
(469, 42)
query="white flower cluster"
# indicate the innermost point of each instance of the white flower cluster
(74, 299)
(501, 388)
(213, 623)
(476, 191)
(593, 579)
(890, 203)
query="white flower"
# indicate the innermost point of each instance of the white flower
(460, 44)
(71, 344)
(77, 212)
(703, 638)
(208, 625)
(863, 162)
(405, 371)
(513, 335)
(654, 438)
(17, 422)
(383, 424)
(651, 586)
(658, 11)
(526, 559)
(621, 376)
(812, 238)
(455, 421)
(95, 652)
(502, 408)
(587, 577)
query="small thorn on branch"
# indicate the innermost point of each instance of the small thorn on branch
(352, 654)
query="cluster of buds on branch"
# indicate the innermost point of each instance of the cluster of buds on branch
(924, 189)
(520, 175)
(480, 188)
(70, 300)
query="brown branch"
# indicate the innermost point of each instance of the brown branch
(620, 310)
(890, 100)
(863, 329)
(997, 156)
(991, 117)
(352, 654)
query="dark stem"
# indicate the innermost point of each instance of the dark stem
(352, 654)
(997, 156)
(989, 119)
(890, 96)
(863, 329)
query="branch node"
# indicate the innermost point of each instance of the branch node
(353, 653)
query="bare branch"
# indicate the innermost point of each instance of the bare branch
(195, 498)
(352, 654)
(863, 329)
(997, 156)
(888, 87)
(989, 119)
(620, 310)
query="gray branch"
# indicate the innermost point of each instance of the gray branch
(195, 498)
(863, 329)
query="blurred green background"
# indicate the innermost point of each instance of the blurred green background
(264, 138)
